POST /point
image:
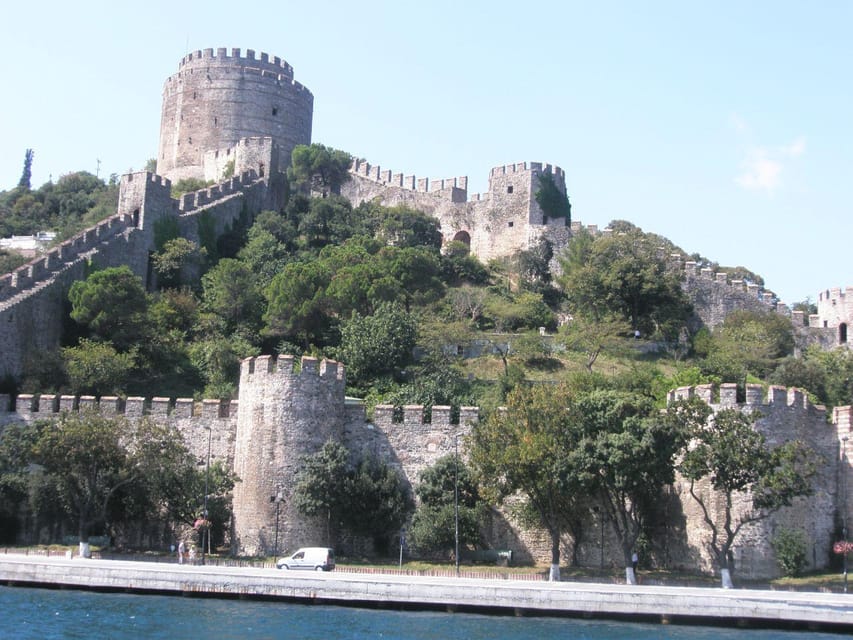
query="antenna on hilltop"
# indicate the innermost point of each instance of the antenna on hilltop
(98, 170)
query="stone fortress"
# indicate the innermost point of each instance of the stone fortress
(241, 115)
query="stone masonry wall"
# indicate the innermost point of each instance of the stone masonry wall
(287, 410)
(285, 413)
(216, 99)
(493, 224)
(202, 424)
(786, 414)
(714, 296)
(33, 298)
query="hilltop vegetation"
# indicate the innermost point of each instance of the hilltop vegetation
(414, 323)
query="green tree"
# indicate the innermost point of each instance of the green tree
(9, 261)
(626, 274)
(27, 173)
(735, 459)
(378, 501)
(178, 487)
(97, 368)
(404, 227)
(607, 335)
(434, 523)
(16, 476)
(217, 358)
(296, 301)
(320, 489)
(460, 268)
(748, 342)
(551, 199)
(523, 310)
(838, 365)
(377, 344)
(177, 255)
(264, 255)
(230, 291)
(327, 221)
(630, 452)
(528, 448)
(318, 168)
(790, 548)
(112, 304)
(416, 271)
(92, 459)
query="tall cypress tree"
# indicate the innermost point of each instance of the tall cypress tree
(27, 174)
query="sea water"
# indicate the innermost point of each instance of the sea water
(46, 613)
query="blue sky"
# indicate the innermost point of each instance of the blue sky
(724, 126)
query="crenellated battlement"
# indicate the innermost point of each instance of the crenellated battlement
(221, 64)
(38, 270)
(221, 56)
(388, 178)
(772, 399)
(716, 295)
(523, 167)
(218, 97)
(255, 370)
(593, 229)
(385, 416)
(47, 405)
(195, 200)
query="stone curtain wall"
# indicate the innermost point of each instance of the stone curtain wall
(786, 414)
(217, 99)
(33, 297)
(714, 297)
(289, 409)
(197, 422)
(494, 224)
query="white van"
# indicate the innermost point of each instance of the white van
(311, 558)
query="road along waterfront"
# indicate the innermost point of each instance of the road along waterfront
(637, 603)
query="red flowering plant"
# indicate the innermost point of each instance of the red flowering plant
(201, 523)
(842, 547)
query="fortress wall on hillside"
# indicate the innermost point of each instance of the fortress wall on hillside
(33, 298)
(714, 296)
(493, 224)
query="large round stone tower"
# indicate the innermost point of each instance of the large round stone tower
(216, 100)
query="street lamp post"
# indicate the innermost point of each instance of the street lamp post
(844, 501)
(456, 495)
(277, 498)
(206, 530)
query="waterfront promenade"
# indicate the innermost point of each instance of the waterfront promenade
(647, 603)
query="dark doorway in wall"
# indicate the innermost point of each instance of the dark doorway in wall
(842, 333)
(464, 237)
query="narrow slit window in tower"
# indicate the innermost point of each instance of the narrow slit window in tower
(842, 333)
(509, 189)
